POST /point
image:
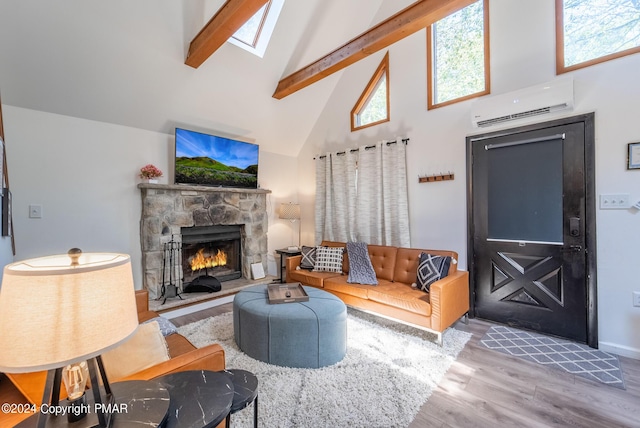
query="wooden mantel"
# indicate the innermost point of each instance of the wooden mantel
(404, 23)
(205, 189)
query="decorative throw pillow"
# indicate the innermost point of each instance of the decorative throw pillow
(430, 269)
(145, 348)
(308, 257)
(360, 267)
(329, 259)
(166, 326)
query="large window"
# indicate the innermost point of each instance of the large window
(372, 107)
(592, 31)
(458, 56)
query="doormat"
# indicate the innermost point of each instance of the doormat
(574, 358)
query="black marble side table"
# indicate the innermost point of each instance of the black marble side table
(137, 403)
(245, 392)
(198, 398)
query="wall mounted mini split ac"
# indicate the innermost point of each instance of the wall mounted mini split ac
(539, 100)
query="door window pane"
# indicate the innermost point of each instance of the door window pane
(525, 192)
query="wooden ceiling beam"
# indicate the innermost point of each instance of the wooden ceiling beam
(231, 16)
(404, 23)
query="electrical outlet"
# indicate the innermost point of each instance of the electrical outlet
(617, 201)
(35, 211)
(636, 298)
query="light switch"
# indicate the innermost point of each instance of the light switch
(35, 211)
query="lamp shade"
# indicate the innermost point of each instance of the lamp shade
(53, 313)
(290, 211)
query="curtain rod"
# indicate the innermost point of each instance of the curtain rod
(388, 143)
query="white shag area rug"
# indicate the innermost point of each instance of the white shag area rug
(388, 373)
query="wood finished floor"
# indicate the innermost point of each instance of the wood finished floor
(484, 388)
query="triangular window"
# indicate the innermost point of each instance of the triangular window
(255, 34)
(372, 107)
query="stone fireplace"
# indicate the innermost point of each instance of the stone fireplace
(190, 215)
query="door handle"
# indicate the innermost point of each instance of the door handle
(574, 226)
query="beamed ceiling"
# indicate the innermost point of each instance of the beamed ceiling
(158, 64)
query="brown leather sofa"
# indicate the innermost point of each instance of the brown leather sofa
(184, 356)
(394, 297)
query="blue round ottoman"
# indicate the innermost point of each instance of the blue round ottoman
(303, 334)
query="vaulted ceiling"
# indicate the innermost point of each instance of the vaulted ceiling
(123, 62)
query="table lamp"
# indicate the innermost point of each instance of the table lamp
(58, 312)
(291, 212)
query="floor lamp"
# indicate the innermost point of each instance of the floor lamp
(291, 212)
(60, 313)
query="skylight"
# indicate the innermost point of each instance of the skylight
(255, 34)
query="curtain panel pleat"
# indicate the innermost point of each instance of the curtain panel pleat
(395, 201)
(321, 195)
(335, 197)
(370, 214)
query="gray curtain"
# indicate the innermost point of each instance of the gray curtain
(369, 204)
(335, 196)
(381, 200)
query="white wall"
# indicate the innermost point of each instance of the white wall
(84, 174)
(522, 54)
(279, 174)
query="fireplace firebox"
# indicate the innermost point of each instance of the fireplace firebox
(211, 252)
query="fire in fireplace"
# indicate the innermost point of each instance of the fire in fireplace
(210, 254)
(207, 261)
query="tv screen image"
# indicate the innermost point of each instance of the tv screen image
(215, 161)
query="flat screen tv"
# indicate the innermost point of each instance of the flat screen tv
(210, 160)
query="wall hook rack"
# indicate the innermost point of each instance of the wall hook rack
(435, 177)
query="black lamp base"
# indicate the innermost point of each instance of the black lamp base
(51, 396)
(76, 409)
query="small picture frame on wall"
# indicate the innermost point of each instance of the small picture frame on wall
(633, 156)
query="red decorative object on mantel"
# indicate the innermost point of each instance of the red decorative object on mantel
(150, 172)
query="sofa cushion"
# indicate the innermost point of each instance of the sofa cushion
(329, 259)
(401, 296)
(360, 267)
(308, 260)
(431, 268)
(339, 284)
(145, 348)
(307, 277)
(383, 259)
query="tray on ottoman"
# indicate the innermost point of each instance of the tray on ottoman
(287, 293)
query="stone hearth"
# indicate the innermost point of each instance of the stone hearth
(168, 208)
